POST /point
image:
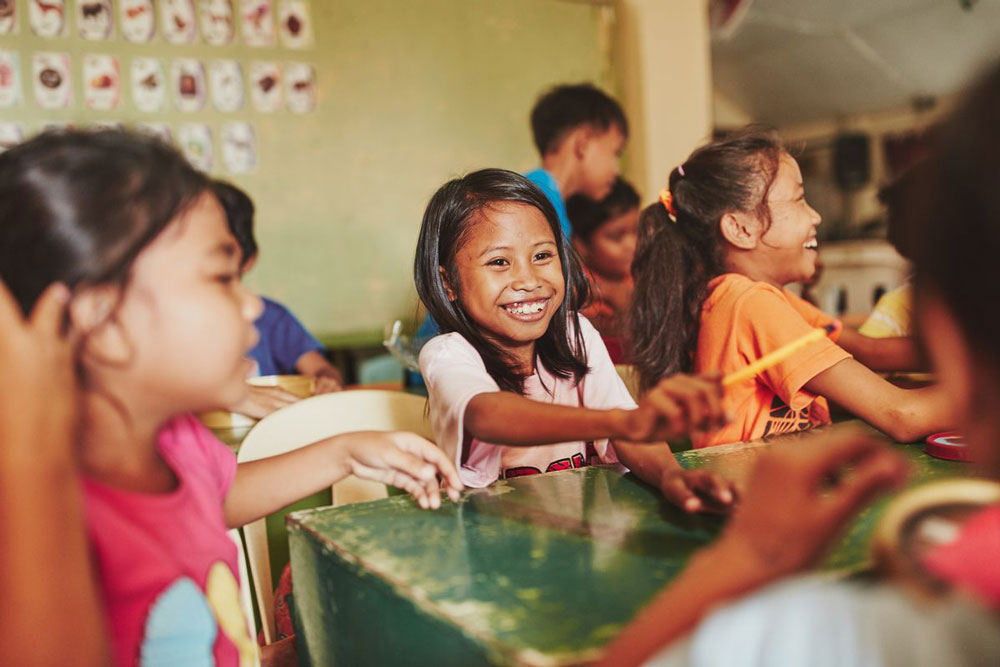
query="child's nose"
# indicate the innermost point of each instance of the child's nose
(524, 278)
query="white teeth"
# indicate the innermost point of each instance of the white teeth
(526, 308)
(812, 245)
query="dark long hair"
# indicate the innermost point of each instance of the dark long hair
(449, 215)
(958, 230)
(78, 207)
(675, 259)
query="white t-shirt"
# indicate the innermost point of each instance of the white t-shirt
(454, 373)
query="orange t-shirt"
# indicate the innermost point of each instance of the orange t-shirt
(741, 321)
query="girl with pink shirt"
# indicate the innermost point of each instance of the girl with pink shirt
(161, 324)
(518, 382)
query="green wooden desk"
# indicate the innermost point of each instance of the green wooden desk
(538, 570)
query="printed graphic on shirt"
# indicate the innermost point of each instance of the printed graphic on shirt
(576, 461)
(782, 419)
(183, 622)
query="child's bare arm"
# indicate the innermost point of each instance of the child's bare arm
(787, 518)
(905, 415)
(396, 458)
(49, 603)
(692, 490)
(882, 354)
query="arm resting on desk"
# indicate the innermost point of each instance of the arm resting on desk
(883, 354)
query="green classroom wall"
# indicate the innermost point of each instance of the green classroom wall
(410, 93)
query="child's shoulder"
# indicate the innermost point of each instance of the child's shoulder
(448, 348)
(735, 290)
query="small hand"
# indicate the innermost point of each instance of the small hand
(262, 401)
(406, 461)
(677, 407)
(327, 384)
(699, 490)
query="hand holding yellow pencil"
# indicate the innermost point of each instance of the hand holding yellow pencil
(776, 357)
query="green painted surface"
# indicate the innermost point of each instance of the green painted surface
(537, 570)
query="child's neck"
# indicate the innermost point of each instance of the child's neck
(744, 264)
(564, 169)
(118, 446)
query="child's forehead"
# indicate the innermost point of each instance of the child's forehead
(513, 221)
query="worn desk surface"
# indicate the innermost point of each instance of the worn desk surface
(539, 570)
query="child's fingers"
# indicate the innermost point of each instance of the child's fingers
(436, 457)
(712, 488)
(676, 490)
(47, 314)
(668, 410)
(713, 397)
(837, 451)
(876, 473)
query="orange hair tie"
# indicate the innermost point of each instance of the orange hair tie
(667, 199)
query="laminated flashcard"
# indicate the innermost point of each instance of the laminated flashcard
(188, 77)
(195, 141)
(300, 87)
(178, 21)
(47, 17)
(10, 79)
(265, 86)
(159, 130)
(94, 19)
(101, 82)
(217, 25)
(53, 87)
(225, 83)
(8, 17)
(295, 24)
(10, 134)
(149, 84)
(137, 19)
(257, 21)
(239, 147)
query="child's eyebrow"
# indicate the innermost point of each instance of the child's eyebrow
(494, 248)
(225, 249)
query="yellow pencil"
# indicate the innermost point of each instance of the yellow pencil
(774, 358)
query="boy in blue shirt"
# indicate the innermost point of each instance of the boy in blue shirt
(580, 132)
(284, 347)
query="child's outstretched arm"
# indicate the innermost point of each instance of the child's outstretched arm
(905, 415)
(49, 603)
(400, 459)
(882, 354)
(791, 512)
(678, 406)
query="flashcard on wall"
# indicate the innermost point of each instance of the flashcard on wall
(195, 141)
(101, 82)
(8, 17)
(11, 134)
(177, 18)
(257, 21)
(47, 17)
(300, 87)
(94, 19)
(265, 86)
(53, 88)
(149, 84)
(225, 81)
(159, 130)
(188, 76)
(295, 24)
(217, 25)
(239, 147)
(10, 79)
(138, 20)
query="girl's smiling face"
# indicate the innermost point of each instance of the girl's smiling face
(510, 279)
(788, 248)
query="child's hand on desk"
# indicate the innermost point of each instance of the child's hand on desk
(677, 407)
(404, 460)
(262, 401)
(699, 490)
(799, 498)
(326, 384)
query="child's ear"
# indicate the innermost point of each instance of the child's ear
(740, 230)
(452, 296)
(579, 140)
(91, 315)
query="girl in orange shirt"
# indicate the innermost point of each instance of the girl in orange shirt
(714, 254)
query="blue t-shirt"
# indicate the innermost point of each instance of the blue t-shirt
(546, 182)
(283, 340)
